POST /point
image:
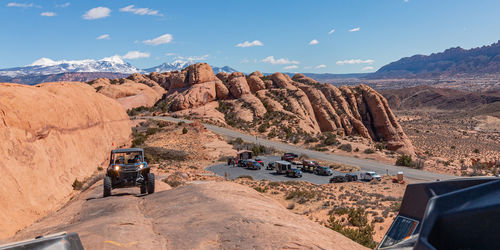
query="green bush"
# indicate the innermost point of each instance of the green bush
(346, 147)
(173, 183)
(156, 154)
(404, 160)
(77, 185)
(362, 235)
(260, 189)
(184, 130)
(300, 194)
(331, 139)
(357, 217)
(380, 146)
(369, 151)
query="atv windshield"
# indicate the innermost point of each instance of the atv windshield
(127, 158)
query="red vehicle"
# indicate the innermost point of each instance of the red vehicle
(260, 161)
(289, 157)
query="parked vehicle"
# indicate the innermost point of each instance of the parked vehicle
(309, 166)
(260, 161)
(294, 172)
(231, 161)
(282, 167)
(242, 163)
(128, 168)
(323, 171)
(338, 178)
(351, 177)
(289, 157)
(270, 166)
(370, 175)
(252, 164)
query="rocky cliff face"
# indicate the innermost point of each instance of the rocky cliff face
(277, 105)
(51, 134)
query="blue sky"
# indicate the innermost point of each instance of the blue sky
(293, 36)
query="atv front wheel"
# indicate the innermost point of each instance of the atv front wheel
(143, 189)
(151, 183)
(107, 186)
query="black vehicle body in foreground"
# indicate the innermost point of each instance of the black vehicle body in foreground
(128, 168)
(294, 172)
(454, 214)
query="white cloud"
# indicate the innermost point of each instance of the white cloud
(291, 67)
(249, 44)
(321, 66)
(355, 61)
(244, 61)
(136, 55)
(163, 39)
(272, 60)
(405, 1)
(47, 14)
(169, 54)
(313, 42)
(96, 13)
(355, 29)
(64, 5)
(193, 58)
(140, 11)
(21, 5)
(367, 68)
(103, 37)
(331, 31)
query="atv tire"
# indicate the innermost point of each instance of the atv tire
(144, 189)
(107, 187)
(151, 183)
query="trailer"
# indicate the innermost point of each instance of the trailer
(282, 167)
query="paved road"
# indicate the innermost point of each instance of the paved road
(366, 165)
(263, 174)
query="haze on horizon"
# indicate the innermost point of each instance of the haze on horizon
(327, 36)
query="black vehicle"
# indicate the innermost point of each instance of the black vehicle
(294, 173)
(242, 163)
(270, 166)
(252, 164)
(323, 171)
(338, 178)
(128, 168)
(351, 177)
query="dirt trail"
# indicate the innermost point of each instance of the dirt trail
(211, 215)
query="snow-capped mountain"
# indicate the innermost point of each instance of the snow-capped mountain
(180, 64)
(46, 66)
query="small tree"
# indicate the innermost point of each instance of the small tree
(184, 130)
(404, 160)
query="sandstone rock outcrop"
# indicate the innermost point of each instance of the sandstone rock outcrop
(52, 134)
(298, 105)
(216, 215)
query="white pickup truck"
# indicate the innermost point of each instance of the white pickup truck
(369, 175)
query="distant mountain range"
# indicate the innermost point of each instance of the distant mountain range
(46, 70)
(451, 62)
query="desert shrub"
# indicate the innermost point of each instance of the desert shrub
(77, 185)
(395, 206)
(380, 146)
(310, 139)
(357, 217)
(291, 206)
(346, 147)
(263, 128)
(245, 177)
(184, 130)
(155, 154)
(404, 160)
(193, 167)
(362, 235)
(300, 194)
(291, 183)
(152, 131)
(138, 139)
(260, 189)
(180, 123)
(369, 151)
(378, 219)
(356, 150)
(274, 184)
(341, 211)
(238, 141)
(331, 139)
(476, 151)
